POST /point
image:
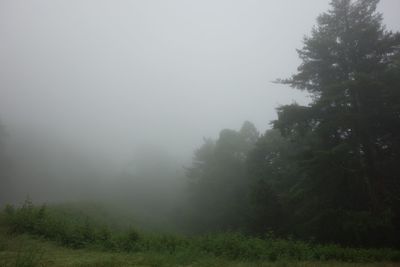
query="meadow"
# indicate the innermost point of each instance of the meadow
(49, 236)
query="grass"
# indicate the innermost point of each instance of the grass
(33, 236)
(21, 248)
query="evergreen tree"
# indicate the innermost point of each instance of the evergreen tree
(351, 130)
(218, 184)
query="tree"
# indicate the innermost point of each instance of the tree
(351, 129)
(218, 182)
(4, 167)
(271, 176)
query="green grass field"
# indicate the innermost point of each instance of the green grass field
(27, 251)
(37, 236)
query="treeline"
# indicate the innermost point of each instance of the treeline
(329, 170)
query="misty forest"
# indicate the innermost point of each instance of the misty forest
(118, 146)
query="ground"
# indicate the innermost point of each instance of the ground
(29, 251)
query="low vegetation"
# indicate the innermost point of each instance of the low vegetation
(75, 232)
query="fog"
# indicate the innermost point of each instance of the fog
(87, 86)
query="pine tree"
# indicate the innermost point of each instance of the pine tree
(351, 129)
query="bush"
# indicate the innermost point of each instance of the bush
(129, 240)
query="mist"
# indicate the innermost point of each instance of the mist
(107, 101)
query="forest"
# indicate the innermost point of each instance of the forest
(320, 187)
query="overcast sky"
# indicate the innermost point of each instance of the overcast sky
(109, 75)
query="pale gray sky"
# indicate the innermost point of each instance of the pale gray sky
(109, 75)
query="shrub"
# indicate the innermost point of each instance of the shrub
(129, 240)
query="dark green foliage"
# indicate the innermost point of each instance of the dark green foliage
(218, 187)
(329, 170)
(271, 175)
(332, 172)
